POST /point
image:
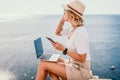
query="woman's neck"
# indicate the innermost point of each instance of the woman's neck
(75, 26)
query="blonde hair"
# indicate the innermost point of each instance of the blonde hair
(75, 19)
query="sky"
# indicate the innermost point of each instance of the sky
(46, 7)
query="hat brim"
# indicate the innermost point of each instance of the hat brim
(67, 8)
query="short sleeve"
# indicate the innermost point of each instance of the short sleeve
(81, 42)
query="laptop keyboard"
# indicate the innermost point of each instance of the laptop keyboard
(46, 56)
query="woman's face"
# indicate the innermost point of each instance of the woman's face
(66, 15)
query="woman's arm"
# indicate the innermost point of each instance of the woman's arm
(76, 56)
(60, 26)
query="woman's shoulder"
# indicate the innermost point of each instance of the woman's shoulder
(81, 32)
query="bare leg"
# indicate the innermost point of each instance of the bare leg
(55, 68)
(41, 73)
(53, 76)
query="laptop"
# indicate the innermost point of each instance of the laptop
(40, 52)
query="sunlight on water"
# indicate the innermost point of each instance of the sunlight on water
(5, 75)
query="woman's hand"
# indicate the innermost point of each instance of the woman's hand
(58, 46)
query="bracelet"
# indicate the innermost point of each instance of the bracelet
(65, 51)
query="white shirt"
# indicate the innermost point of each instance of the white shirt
(79, 41)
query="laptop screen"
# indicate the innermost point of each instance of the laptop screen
(38, 47)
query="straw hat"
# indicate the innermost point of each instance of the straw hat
(76, 7)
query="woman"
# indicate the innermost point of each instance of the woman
(78, 66)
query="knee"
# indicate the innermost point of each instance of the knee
(42, 65)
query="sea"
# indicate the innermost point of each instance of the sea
(17, 53)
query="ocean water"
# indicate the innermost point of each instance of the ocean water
(17, 54)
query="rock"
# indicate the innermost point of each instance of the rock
(112, 67)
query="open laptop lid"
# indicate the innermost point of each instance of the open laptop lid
(38, 47)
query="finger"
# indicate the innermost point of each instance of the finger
(55, 45)
(52, 43)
